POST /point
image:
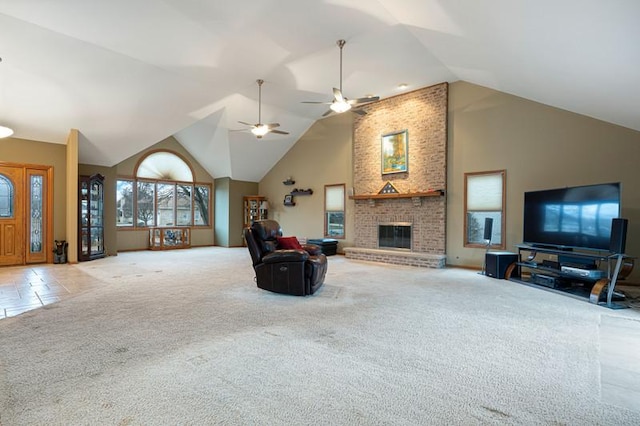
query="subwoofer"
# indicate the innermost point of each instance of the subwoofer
(498, 261)
(618, 241)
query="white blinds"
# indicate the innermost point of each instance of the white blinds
(334, 198)
(484, 192)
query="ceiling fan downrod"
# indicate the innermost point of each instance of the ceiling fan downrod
(259, 81)
(341, 44)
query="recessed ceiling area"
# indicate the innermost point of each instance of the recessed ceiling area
(128, 74)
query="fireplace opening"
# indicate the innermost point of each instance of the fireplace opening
(395, 235)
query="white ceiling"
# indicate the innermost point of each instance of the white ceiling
(129, 73)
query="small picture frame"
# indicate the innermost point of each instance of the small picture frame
(395, 152)
(288, 199)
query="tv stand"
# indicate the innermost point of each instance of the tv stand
(548, 273)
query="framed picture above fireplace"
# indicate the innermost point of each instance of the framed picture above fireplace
(395, 152)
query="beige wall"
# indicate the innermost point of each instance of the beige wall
(22, 151)
(540, 147)
(221, 211)
(139, 240)
(230, 211)
(237, 190)
(322, 156)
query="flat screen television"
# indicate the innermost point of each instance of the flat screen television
(575, 217)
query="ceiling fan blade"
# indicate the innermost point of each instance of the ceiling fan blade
(315, 102)
(327, 113)
(359, 111)
(337, 94)
(364, 100)
(280, 132)
(245, 123)
(273, 125)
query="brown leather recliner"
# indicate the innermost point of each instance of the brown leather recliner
(288, 271)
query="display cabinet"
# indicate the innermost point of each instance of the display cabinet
(169, 238)
(91, 217)
(256, 207)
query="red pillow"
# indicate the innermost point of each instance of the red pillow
(289, 243)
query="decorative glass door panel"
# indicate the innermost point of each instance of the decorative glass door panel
(37, 195)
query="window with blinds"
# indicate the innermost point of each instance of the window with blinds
(334, 211)
(484, 198)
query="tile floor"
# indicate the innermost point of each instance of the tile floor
(23, 288)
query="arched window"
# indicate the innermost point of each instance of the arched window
(163, 193)
(164, 165)
(6, 197)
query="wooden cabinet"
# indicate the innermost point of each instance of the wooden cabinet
(256, 207)
(91, 217)
(168, 238)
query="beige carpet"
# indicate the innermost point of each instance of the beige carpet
(185, 337)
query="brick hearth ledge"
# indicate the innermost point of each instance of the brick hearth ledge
(425, 260)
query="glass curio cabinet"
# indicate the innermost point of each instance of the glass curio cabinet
(91, 217)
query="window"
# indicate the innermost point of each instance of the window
(166, 204)
(484, 198)
(334, 211)
(6, 197)
(146, 204)
(201, 205)
(124, 202)
(162, 195)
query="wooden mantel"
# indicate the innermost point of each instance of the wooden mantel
(437, 193)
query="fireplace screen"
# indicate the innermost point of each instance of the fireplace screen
(394, 235)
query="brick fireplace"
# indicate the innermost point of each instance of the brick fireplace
(421, 190)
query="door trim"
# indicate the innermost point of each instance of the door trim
(47, 205)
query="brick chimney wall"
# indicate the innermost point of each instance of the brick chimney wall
(423, 113)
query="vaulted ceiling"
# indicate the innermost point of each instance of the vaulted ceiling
(130, 73)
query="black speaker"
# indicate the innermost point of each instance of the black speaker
(618, 240)
(488, 228)
(497, 263)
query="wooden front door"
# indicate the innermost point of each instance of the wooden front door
(12, 216)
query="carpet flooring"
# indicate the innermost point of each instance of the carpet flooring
(185, 337)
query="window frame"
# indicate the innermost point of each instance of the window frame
(135, 181)
(327, 212)
(501, 211)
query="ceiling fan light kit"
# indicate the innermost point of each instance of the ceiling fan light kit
(340, 103)
(340, 107)
(259, 129)
(5, 132)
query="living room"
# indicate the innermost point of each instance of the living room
(184, 336)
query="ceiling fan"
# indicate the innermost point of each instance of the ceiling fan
(259, 129)
(340, 103)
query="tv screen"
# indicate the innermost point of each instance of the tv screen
(575, 217)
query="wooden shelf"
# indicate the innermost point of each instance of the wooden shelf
(438, 193)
